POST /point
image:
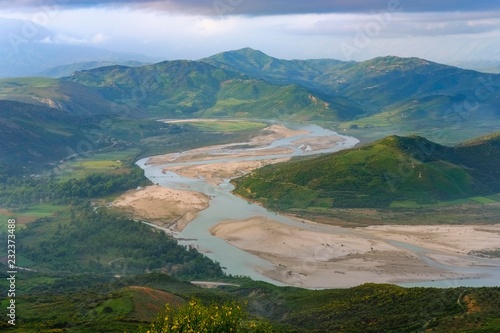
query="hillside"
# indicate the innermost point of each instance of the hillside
(106, 304)
(189, 88)
(406, 93)
(33, 136)
(66, 96)
(394, 169)
(387, 95)
(389, 90)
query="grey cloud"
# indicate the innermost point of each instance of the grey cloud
(402, 24)
(267, 7)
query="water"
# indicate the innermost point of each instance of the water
(226, 206)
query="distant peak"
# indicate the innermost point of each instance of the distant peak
(247, 52)
(493, 138)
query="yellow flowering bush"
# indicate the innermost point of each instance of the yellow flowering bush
(197, 318)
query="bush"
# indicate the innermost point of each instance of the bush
(197, 318)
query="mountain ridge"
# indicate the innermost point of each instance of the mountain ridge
(393, 169)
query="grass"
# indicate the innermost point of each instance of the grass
(109, 163)
(472, 200)
(484, 200)
(221, 103)
(227, 125)
(27, 216)
(42, 210)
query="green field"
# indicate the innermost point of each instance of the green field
(484, 200)
(29, 215)
(110, 163)
(472, 200)
(42, 210)
(227, 125)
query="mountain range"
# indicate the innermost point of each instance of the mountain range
(249, 83)
(386, 95)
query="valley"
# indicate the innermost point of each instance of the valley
(299, 251)
(313, 194)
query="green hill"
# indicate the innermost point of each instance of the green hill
(376, 175)
(190, 88)
(385, 91)
(390, 90)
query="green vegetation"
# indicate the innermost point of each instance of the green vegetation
(226, 125)
(396, 172)
(100, 303)
(71, 142)
(374, 98)
(195, 317)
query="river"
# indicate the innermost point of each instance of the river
(226, 206)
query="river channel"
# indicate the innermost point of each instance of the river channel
(226, 206)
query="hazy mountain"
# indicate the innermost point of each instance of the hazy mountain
(67, 70)
(485, 66)
(376, 175)
(27, 49)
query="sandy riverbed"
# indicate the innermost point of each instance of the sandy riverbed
(216, 173)
(337, 257)
(342, 259)
(163, 206)
(234, 151)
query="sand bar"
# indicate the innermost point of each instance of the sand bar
(328, 260)
(163, 206)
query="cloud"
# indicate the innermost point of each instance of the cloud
(72, 40)
(396, 24)
(264, 7)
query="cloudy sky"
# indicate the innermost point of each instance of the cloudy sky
(439, 30)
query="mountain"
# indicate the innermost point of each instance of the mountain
(27, 48)
(376, 175)
(485, 66)
(396, 95)
(191, 88)
(406, 92)
(67, 70)
(384, 85)
(259, 65)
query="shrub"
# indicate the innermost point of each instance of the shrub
(197, 318)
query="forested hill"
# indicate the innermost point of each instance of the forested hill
(376, 175)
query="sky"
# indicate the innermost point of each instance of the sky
(440, 30)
